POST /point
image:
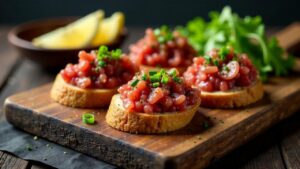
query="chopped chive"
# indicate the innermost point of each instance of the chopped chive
(216, 63)
(223, 53)
(226, 68)
(154, 79)
(144, 77)
(173, 72)
(88, 118)
(152, 72)
(103, 52)
(177, 79)
(101, 63)
(156, 32)
(115, 54)
(156, 84)
(161, 39)
(165, 79)
(207, 59)
(134, 83)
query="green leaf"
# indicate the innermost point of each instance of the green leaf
(244, 34)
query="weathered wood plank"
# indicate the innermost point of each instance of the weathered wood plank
(262, 152)
(16, 83)
(26, 76)
(181, 149)
(290, 144)
(8, 161)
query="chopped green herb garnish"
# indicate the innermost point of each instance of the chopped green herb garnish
(154, 78)
(163, 34)
(151, 72)
(173, 72)
(144, 77)
(104, 53)
(244, 34)
(156, 84)
(134, 83)
(165, 79)
(226, 68)
(177, 79)
(216, 63)
(207, 59)
(116, 53)
(88, 118)
(101, 63)
(223, 52)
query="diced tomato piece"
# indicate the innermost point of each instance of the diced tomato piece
(83, 55)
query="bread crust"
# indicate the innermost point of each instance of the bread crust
(236, 98)
(73, 96)
(134, 122)
(145, 68)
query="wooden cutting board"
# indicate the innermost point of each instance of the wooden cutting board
(211, 134)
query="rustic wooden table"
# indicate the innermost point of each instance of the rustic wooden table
(277, 148)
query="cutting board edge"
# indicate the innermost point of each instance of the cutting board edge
(151, 160)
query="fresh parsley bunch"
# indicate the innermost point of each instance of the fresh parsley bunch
(245, 35)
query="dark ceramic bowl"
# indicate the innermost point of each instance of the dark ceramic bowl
(21, 36)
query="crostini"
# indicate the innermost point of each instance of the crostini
(156, 102)
(226, 79)
(162, 48)
(94, 80)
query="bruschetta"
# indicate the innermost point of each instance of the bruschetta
(94, 80)
(157, 102)
(226, 79)
(162, 48)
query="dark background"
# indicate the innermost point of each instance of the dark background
(146, 12)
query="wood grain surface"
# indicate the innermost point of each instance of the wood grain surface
(195, 145)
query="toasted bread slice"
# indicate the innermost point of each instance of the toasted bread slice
(234, 98)
(73, 96)
(144, 68)
(134, 122)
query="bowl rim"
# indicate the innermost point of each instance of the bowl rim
(14, 39)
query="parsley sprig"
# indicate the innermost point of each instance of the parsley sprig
(163, 34)
(104, 54)
(244, 34)
(157, 78)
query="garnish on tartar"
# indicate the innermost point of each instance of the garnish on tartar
(88, 118)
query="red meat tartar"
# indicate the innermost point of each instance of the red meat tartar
(101, 69)
(221, 70)
(158, 92)
(162, 48)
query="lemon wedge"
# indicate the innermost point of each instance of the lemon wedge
(75, 35)
(109, 29)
